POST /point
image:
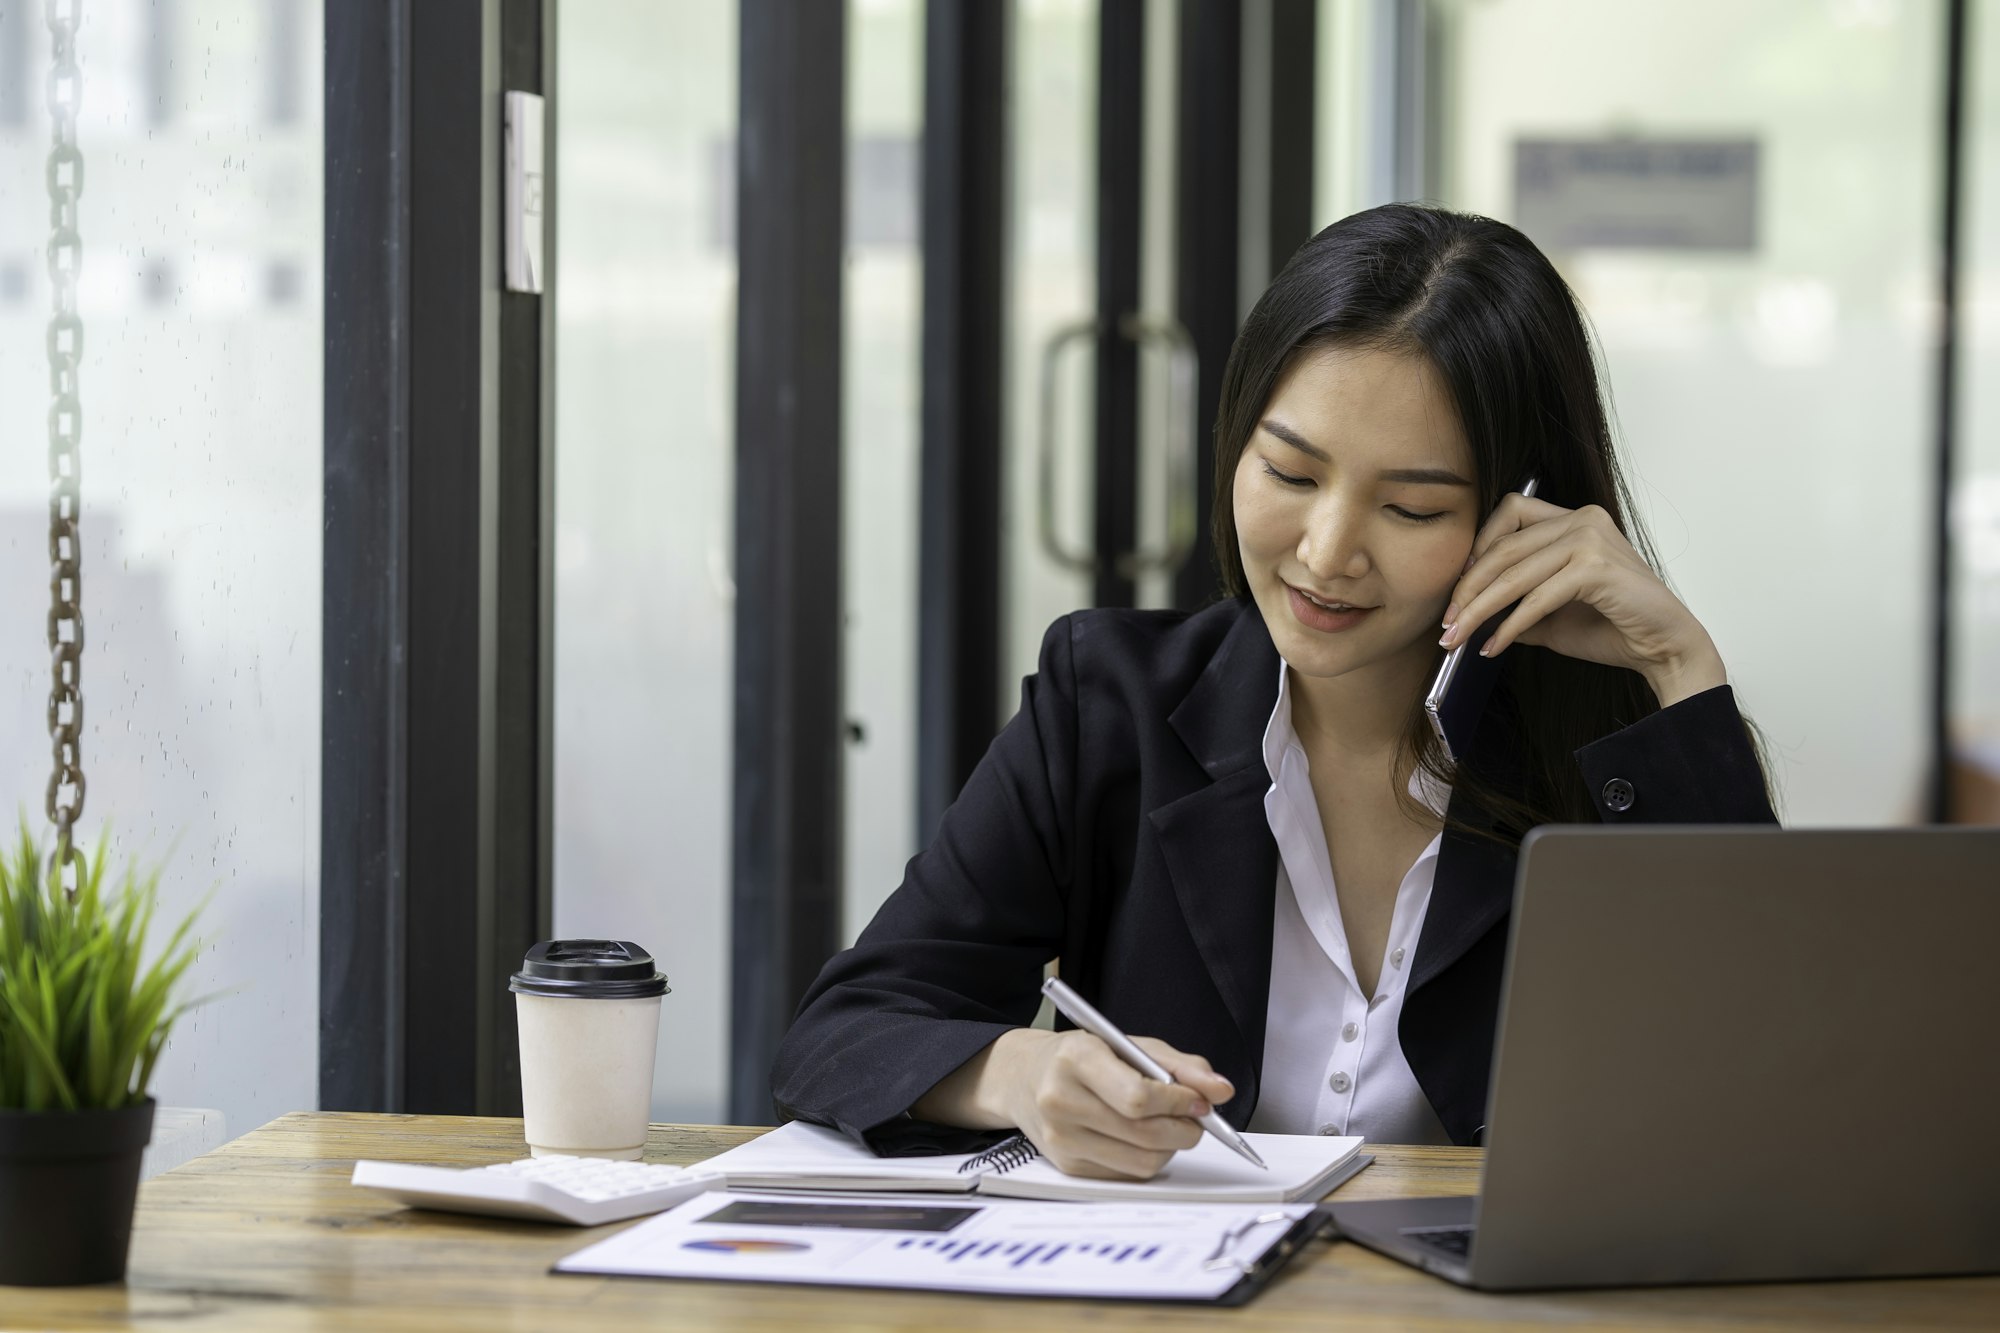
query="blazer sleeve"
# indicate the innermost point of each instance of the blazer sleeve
(954, 958)
(1690, 763)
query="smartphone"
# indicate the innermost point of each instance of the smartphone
(1464, 683)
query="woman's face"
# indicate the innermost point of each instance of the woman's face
(1355, 512)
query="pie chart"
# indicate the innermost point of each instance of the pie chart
(724, 1246)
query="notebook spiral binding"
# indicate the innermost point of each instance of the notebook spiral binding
(1003, 1157)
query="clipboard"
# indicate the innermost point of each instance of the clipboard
(1178, 1254)
(1257, 1273)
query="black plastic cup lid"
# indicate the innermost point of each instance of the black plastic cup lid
(588, 970)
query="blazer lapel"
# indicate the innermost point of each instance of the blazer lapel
(1472, 891)
(1474, 887)
(1224, 866)
(1215, 841)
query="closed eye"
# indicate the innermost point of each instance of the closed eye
(1285, 477)
(1401, 512)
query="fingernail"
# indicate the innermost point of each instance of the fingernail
(1201, 1109)
(1486, 649)
(1451, 615)
(1445, 642)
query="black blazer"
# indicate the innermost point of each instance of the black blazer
(1118, 824)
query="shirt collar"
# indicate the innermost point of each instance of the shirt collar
(1280, 736)
(1278, 733)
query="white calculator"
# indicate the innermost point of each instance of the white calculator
(582, 1191)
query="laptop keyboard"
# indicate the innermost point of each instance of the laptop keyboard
(1455, 1241)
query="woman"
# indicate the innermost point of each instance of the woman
(1233, 829)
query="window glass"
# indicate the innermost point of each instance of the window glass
(882, 310)
(201, 132)
(645, 291)
(1774, 403)
(1353, 139)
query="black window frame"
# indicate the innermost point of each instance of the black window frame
(434, 865)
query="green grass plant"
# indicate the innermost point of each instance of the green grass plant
(82, 1016)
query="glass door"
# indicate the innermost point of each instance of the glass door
(1100, 438)
(645, 122)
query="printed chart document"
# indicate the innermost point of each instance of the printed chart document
(799, 1156)
(1173, 1252)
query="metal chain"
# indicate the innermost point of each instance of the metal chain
(65, 185)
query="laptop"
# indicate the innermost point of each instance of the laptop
(1732, 1055)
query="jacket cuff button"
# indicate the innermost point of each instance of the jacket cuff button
(1618, 796)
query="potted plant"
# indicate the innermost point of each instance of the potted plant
(83, 1017)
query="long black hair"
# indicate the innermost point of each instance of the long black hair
(1491, 315)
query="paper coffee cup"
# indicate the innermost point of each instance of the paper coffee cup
(589, 1014)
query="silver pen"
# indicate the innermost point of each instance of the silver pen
(1079, 1011)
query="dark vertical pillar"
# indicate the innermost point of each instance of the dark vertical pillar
(519, 908)
(545, 524)
(1245, 129)
(1292, 88)
(433, 739)
(787, 812)
(363, 703)
(964, 211)
(1121, 91)
(1956, 58)
(1209, 132)
(454, 307)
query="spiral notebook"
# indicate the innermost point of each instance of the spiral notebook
(799, 1156)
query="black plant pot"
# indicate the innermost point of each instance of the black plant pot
(68, 1181)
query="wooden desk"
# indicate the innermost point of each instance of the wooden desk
(265, 1233)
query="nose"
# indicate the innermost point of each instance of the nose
(1333, 545)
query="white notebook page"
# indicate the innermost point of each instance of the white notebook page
(801, 1151)
(1205, 1173)
(798, 1156)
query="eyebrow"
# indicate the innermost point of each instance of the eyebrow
(1418, 476)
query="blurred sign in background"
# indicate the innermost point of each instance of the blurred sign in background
(1669, 194)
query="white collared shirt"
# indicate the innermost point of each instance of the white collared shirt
(1332, 1061)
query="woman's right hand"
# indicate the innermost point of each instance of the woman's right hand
(1089, 1112)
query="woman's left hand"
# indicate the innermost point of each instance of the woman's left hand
(1583, 592)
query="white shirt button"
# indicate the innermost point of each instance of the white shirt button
(1396, 958)
(1350, 1032)
(1313, 993)
(1329, 1130)
(1340, 1082)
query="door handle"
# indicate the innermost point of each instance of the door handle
(1180, 444)
(1179, 436)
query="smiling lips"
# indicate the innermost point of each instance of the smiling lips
(1329, 603)
(1326, 616)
